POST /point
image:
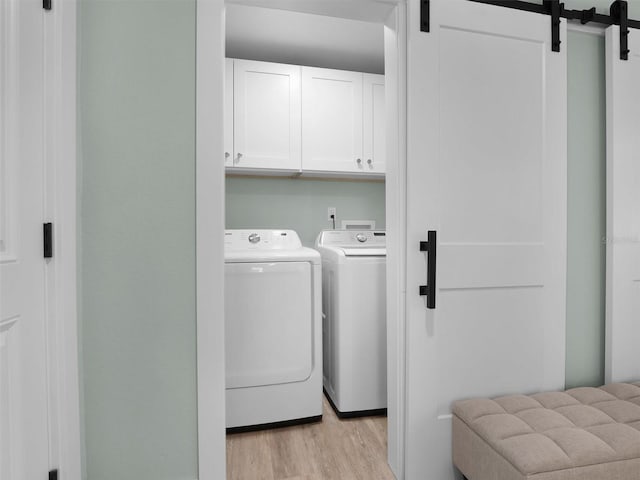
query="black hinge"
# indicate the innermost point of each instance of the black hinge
(554, 7)
(620, 14)
(53, 475)
(47, 234)
(46, 4)
(424, 15)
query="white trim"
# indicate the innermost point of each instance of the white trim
(210, 227)
(396, 207)
(210, 187)
(60, 208)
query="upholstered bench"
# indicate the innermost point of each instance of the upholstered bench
(580, 434)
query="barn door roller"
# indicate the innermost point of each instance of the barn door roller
(618, 15)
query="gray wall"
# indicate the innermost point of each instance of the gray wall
(586, 210)
(301, 204)
(137, 235)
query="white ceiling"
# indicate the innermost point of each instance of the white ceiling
(282, 36)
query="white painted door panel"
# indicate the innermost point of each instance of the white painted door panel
(374, 113)
(24, 439)
(623, 209)
(228, 112)
(331, 120)
(266, 115)
(486, 169)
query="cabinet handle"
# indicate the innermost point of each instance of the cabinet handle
(239, 157)
(227, 154)
(359, 160)
(370, 162)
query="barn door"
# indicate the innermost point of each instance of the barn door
(24, 447)
(623, 208)
(487, 173)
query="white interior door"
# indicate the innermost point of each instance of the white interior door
(623, 208)
(23, 368)
(487, 171)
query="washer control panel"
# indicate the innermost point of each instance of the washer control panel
(346, 238)
(261, 240)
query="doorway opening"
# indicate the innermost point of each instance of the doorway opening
(281, 189)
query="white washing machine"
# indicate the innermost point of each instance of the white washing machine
(272, 330)
(354, 323)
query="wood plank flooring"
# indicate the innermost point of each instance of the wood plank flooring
(333, 449)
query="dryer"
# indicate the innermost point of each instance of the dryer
(272, 329)
(354, 320)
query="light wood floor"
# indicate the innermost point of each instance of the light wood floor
(333, 449)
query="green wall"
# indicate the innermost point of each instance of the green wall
(137, 235)
(301, 204)
(586, 210)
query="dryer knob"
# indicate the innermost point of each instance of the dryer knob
(361, 238)
(254, 238)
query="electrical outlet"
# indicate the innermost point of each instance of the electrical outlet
(331, 212)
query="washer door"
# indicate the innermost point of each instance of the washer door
(268, 323)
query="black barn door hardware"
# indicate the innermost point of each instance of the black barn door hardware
(429, 290)
(47, 237)
(618, 15)
(424, 15)
(53, 475)
(554, 8)
(46, 4)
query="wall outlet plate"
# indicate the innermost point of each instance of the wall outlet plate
(331, 211)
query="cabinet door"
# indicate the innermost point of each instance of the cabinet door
(228, 113)
(331, 120)
(374, 130)
(266, 115)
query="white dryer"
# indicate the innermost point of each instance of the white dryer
(272, 330)
(354, 320)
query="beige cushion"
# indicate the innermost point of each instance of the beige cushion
(555, 435)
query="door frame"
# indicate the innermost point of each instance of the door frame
(210, 200)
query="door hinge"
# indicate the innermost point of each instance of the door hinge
(46, 4)
(424, 15)
(620, 14)
(47, 234)
(53, 475)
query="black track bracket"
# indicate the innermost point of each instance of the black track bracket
(620, 14)
(46, 4)
(424, 15)
(554, 8)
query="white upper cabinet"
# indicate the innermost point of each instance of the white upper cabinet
(266, 106)
(228, 113)
(374, 130)
(331, 120)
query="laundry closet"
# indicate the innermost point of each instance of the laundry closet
(305, 162)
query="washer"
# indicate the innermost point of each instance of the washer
(354, 321)
(272, 329)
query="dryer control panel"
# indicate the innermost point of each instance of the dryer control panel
(352, 238)
(261, 240)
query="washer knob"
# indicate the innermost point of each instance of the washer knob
(361, 238)
(254, 238)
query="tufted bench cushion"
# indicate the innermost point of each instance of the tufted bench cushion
(580, 434)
